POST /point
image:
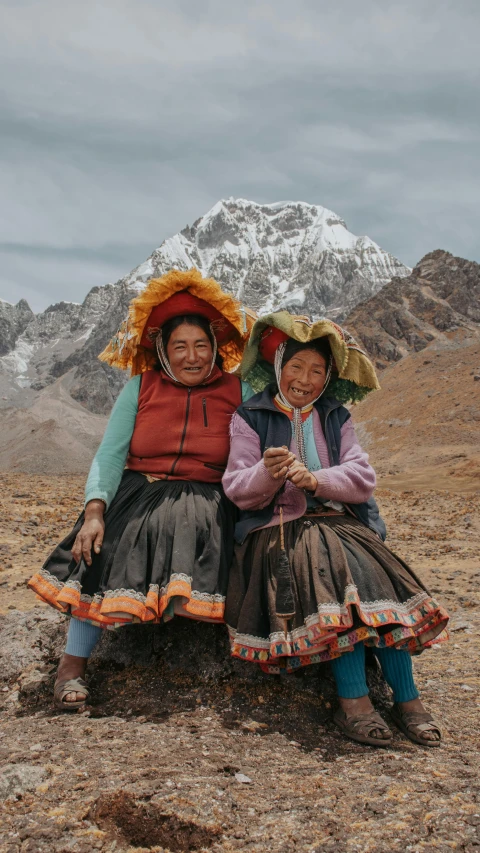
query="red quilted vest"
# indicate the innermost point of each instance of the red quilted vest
(182, 433)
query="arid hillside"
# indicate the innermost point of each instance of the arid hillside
(56, 434)
(422, 429)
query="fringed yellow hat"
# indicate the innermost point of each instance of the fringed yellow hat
(175, 293)
(353, 374)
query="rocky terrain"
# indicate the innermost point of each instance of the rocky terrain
(423, 426)
(286, 254)
(182, 750)
(441, 294)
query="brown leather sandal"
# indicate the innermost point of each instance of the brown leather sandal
(73, 685)
(414, 724)
(358, 727)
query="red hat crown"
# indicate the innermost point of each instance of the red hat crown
(270, 340)
(184, 302)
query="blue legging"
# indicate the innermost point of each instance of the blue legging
(350, 676)
(81, 638)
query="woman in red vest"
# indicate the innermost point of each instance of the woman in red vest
(156, 536)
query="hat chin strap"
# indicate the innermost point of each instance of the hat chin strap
(162, 355)
(297, 412)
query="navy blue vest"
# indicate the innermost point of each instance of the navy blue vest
(275, 430)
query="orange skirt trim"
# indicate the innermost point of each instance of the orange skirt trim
(120, 607)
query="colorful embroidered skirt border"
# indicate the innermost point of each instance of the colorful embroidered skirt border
(348, 588)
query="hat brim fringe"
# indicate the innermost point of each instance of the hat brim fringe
(355, 376)
(125, 350)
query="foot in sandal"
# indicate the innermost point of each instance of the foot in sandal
(70, 677)
(416, 723)
(359, 721)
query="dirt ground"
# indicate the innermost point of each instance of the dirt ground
(182, 750)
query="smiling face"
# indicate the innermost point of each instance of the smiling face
(190, 354)
(303, 377)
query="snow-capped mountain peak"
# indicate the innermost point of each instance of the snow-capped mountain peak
(273, 255)
(287, 254)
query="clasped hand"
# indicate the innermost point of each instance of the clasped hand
(280, 462)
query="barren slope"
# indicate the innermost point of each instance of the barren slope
(422, 429)
(56, 434)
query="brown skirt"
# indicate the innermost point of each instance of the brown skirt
(348, 588)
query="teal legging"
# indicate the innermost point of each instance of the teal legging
(350, 676)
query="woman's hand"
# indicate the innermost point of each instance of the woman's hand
(301, 477)
(277, 461)
(91, 532)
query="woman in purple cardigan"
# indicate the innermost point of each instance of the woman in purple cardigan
(312, 579)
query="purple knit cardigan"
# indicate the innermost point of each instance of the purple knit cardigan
(249, 485)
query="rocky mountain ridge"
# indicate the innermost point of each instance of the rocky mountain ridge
(14, 319)
(64, 336)
(289, 254)
(441, 294)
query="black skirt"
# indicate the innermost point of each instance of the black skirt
(348, 587)
(167, 549)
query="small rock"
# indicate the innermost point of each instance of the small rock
(30, 681)
(18, 778)
(383, 779)
(253, 725)
(14, 696)
(466, 601)
(240, 777)
(467, 688)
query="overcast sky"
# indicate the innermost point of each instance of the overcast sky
(123, 121)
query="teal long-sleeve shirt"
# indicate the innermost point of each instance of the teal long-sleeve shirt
(109, 461)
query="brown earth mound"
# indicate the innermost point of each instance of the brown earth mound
(55, 435)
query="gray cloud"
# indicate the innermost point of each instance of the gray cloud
(124, 121)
